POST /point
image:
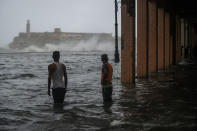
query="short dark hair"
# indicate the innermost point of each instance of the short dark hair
(56, 54)
(104, 57)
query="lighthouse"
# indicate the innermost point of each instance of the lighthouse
(28, 26)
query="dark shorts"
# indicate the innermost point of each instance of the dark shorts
(58, 95)
(107, 93)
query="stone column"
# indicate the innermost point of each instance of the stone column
(161, 47)
(171, 50)
(167, 38)
(182, 38)
(127, 42)
(193, 41)
(142, 38)
(152, 36)
(178, 39)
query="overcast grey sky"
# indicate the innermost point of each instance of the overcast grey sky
(45, 15)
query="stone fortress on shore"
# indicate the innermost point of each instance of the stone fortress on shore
(40, 39)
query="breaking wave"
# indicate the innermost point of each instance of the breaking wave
(70, 47)
(90, 45)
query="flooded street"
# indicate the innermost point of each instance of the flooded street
(164, 102)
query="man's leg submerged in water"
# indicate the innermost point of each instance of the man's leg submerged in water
(58, 95)
(107, 94)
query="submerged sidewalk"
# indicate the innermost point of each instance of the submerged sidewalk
(164, 102)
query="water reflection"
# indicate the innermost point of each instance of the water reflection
(107, 107)
(165, 101)
(58, 107)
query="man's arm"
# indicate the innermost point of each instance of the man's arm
(49, 80)
(65, 75)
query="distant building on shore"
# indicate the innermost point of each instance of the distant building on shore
(40, 39)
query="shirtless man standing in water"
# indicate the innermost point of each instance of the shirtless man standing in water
(57, 71)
